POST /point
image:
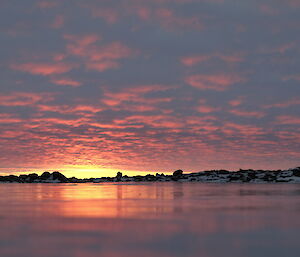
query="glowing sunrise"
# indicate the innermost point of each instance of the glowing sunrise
(149, 128)
(149, 86)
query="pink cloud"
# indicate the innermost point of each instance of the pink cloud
(193, 60)
(168, 19)
(47, 4)
(277, 49)
(42, 68)
(247, 114)
(24, 98)
(205, 108)
(293, 3)
(58, 22)
(95, 56)
(267, 9)
(248, 130)
(110, 15)
(217, 82)
(134, 99)
(288, 103)
(69, 109)
(81, 41)
(288, 120)
(291, 77)
(66, 82)
(236, 102)
(102, 65)
(9, 118)
(196, 59)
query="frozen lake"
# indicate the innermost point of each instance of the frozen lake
(149, 219)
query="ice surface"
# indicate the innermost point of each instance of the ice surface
(149, 219)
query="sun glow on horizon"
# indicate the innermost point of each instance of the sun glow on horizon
(89, 171)
(78, 171)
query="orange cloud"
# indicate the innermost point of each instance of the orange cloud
(42, 68)
(217, 82)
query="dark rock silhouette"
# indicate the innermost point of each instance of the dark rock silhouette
(119, 176)
(296, 172)
(177, 173)
(32, 177)
(45, 175)
(58, 176)
(214, 176)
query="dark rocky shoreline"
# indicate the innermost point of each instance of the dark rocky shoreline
(212, 176)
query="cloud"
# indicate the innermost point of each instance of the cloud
(24, 98)
(102, 65)
(70, 109)
(97, 56)
(217, 82)
(58, 22)
(133, 98)
(268, 9)
(47, 4)
(291, 77)
(203, 107)
(193, 60)
(169, 19)
(43, 68)
(284, 104)
(110, 15)
(247, 114)
(236, 102)
(288, 120)
(66, 82)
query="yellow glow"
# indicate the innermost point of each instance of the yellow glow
(86, 171)
(79, 171)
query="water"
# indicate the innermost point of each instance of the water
(149, 219)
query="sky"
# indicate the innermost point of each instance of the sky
(97, 86)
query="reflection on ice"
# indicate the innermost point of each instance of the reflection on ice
(149, 219)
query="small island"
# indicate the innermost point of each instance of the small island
(212, 176)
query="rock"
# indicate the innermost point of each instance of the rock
(296, 172)
(177, 173)
(138, 178)
(45, 175)
(223, 172)
(23, 177)
(32, 177)
(58, 176)
(150, 177)
(119, 176)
